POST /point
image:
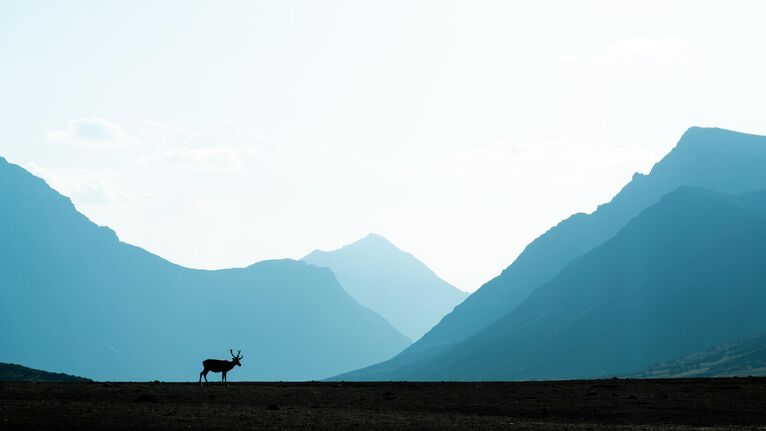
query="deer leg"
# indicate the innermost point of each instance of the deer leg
(223, 377)
(203, 374)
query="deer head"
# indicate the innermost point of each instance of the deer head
(235, 358)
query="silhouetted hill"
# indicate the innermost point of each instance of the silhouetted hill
(18, 373)
(391, 282)
(74, 298)
(745, 357)
(715, 159)
(685, 275)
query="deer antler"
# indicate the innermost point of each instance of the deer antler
(237, 356)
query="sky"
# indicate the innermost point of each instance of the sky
(218, 133)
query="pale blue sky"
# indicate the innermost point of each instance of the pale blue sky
(217, 134)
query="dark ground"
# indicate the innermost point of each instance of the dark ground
(729, 403)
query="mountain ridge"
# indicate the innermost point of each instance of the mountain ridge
(390, 281)
(631, 302)
(713, 158)
(84, 302)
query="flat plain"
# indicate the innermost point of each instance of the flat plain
(672, 404)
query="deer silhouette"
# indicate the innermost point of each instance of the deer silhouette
(220, 366)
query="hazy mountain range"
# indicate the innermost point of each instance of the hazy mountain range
(391, 282)
(76, 299)
(489, 335)
(666, 279)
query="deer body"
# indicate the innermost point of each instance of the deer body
(220, 366)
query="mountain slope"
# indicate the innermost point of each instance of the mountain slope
(18, 373)
(79, 300)
(745, 357)
(686, 274)
(391, 282)
(714, 159)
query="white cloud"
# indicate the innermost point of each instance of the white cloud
(229, 146)
(87, 188)
(648, 47)
(224, 132)
(92, 132)
(224, 147)
(221, 158)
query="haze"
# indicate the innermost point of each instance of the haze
(218, 134)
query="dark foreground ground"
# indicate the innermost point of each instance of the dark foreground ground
(730, 403)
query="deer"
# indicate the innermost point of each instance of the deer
(220, 366)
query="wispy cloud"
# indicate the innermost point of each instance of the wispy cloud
(221, 158)
(92, 132)
(87, 188)
(224, 147)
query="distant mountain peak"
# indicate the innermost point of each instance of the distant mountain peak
(374, 239)
(391, 282)
(371, 243)
(372, 236)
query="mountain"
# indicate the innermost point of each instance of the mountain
(18, 373)
(744, 357)
(391, 282)
(684, 275)
(711, 158)
(74, 298)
